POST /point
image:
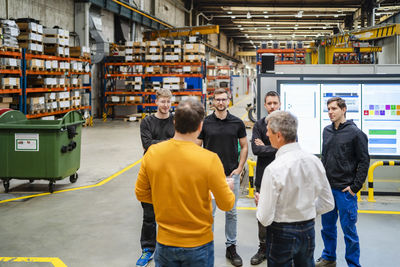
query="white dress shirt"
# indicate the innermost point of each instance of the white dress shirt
(294, 188)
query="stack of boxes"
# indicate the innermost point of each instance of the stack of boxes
(194, 52)
(56, 42)
(154, 51)
(10, 83)
(5, 101)
(31, 36)
(134, 85)
(134, 51)
(80, 51)
(9, 31)
(10, 63)
(172, 50)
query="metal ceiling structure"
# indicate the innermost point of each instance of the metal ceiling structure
(251, 22)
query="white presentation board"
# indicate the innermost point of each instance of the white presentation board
(374, 108)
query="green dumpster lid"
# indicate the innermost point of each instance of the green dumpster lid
(17, 120)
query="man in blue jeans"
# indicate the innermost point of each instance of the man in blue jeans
(220, 134)
(346, 160)
(294, 190)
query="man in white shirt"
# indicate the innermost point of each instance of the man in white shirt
(294, 190)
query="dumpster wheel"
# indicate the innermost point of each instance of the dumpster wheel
(73, 178)
(51, 186)
(6, 184)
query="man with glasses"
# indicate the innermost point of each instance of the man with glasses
(220, 134)
(154, 129)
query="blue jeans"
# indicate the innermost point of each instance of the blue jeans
(167, 256)
(346, 209)
(291, 244)
(230, 216)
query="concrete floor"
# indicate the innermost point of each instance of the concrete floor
(97, 221)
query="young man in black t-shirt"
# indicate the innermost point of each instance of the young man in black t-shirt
(154, 129)
(220, 134)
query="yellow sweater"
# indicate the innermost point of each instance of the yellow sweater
(177, 177)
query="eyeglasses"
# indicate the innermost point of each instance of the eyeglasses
(220, 99)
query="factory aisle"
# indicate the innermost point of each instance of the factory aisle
(97, 221)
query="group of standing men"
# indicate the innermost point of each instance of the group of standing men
(292, 186)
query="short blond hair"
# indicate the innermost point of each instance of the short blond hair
(163, 92)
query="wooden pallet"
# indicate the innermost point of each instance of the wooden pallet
(8, 86)
(36, 68)
(7, 67)
(10, 49)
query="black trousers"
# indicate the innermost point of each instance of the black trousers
(262, 230)
(148, 236)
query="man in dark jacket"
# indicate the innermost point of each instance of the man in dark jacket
(154, 129)
(265, 153)
(346, 160)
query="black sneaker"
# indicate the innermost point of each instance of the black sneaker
(233, 257)
(321, 262)
(260, 256)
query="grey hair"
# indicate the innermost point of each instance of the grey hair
(284, 122)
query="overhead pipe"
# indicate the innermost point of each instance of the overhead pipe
(202, 14)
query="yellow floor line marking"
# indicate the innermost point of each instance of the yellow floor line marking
(359, 211)
(103, 182)
(241, 101)
(55, 261)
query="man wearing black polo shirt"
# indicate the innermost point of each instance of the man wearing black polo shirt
(220, 134)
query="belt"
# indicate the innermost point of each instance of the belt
(293, 223)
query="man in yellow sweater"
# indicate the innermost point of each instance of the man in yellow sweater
(177, 176)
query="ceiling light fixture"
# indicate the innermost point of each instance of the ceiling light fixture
(265, 12)
(241, 29)
(266, 16)
(268, 28)
(299, 14)
(239, 26)
(229, 12)
(233, 17)
(248, 15)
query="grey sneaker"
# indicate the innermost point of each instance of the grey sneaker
(321, 262)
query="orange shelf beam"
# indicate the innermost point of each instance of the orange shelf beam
(11, 54)
(30, 56)
(154, 75)
(39, 90)
(154, 64)
(11, 91)
(31, 116)
(5, 71)
(152, 93)
(34, 72)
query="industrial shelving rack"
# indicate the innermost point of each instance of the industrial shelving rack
(27, 90)
(219, 73)
(13, 72)
(112, 72)
(284, 56)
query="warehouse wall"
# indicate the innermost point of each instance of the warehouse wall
(168, 11)
(390, 50)
(49, 13)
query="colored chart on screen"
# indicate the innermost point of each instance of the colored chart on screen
(381, 118)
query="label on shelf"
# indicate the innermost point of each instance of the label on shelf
(177, 50)
(177, 42)
(66, 50)
(39, 47)
(54, 64)
(128, 51)
(154, 43)
(189, 46)
(149, 69)
(153, 50)
(138, 79)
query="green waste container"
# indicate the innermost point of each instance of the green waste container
(39, 149)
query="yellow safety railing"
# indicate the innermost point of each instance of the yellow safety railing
(252, 165)
(371, 177)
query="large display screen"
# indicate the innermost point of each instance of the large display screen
(374, 108)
